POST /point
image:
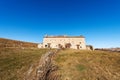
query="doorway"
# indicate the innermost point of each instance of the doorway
(67, 45)
(78, 46)
(49, 45)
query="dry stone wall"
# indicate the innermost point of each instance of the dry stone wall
(45, 70)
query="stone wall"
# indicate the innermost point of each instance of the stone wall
(45, 70)
(54, 42)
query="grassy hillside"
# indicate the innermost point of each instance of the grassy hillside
(8, 43)
(73, 64)
(88, 65)
(14, 62)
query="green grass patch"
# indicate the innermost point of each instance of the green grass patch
(80, 67)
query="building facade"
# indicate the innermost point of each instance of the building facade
(74, 42)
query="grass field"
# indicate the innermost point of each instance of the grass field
(73, 64)
(14, 63)
(88, 65)
(8, 43)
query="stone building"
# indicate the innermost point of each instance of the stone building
(89, 47)
(74, 42)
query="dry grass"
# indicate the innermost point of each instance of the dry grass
(8, 43)
(89, 65)
(73, 64)
(14, 63)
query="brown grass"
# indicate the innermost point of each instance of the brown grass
(14, 63)
(8, 43)
(73, 64)
(88, 65)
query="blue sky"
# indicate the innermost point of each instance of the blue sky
(30, 20)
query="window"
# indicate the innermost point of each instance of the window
(45, 45)
(80, 46)
(80, 42)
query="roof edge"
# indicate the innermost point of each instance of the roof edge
(64, 36)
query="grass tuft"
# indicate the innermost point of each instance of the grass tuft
(80, 67)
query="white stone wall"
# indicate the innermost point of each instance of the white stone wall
(73, 41)
(40, 45)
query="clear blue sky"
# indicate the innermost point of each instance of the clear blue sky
(30, 20)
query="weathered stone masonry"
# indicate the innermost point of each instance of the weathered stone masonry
(74, 42)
